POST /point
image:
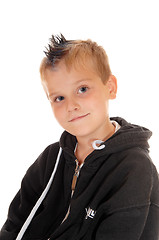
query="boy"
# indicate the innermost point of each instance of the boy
(104, 184)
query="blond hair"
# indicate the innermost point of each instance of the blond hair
(76, 53)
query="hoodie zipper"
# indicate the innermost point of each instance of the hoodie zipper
(76, 174)
(74, 181)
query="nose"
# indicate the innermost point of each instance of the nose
(72, 104)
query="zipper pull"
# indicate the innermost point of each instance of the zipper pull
(75, 175)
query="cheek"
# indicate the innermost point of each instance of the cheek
(58, 113)
(89, 101)
(96, 103)
(101, 109)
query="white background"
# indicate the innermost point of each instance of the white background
(128, 30)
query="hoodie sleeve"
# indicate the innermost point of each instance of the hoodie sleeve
(124, 224)
(32, 186)
(133, 211)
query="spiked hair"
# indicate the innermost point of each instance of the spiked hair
(75, 53)
(56, 49)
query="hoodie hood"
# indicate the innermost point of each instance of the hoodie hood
(128, 136)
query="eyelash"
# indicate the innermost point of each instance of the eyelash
(61, 98)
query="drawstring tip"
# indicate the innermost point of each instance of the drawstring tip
(96, 145)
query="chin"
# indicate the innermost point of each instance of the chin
(80, 134)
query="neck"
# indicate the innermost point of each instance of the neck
(104, 133)
(84, 144)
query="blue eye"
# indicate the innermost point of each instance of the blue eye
(59, 99)
(83, 89)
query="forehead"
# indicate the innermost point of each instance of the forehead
(62, 72)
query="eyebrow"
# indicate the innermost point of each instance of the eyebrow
(83, 79)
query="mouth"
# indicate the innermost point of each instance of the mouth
(78, 118)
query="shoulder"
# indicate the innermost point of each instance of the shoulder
(137, 159)
(44, 164)
(49, 152)
(52, 148)
(138, 167)
(133, 178)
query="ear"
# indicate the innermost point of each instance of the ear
(112, 86)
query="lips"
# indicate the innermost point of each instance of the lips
(78, 118)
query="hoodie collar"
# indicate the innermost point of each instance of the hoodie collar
(128, 136)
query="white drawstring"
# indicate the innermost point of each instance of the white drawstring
(38, 203)
(97, 144)
(94, 145)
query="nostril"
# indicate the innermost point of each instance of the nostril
(72, 106)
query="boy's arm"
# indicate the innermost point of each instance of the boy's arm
(32, 186)
(133, 212)
(129, 224)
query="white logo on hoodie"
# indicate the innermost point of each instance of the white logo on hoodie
(90, 213)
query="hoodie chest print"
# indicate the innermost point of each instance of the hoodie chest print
(90, 213)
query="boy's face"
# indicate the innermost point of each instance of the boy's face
(79, 100)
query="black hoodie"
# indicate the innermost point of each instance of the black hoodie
(116, 195)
